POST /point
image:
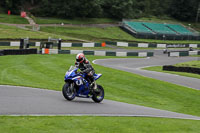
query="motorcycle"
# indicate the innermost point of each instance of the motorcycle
(77, 86)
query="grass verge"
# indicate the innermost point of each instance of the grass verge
(195, 64)
(85, 124)
(47, 71)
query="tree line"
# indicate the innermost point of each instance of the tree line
(185, 10)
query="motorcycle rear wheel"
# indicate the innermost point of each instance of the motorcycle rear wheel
(98, 95)
(68, 91)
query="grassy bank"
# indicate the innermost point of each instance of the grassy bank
(12, 32)
(47, 71)
(62, 124)
(195, 64)
(103, 34)
(43, 20)
(75, 33)
(12, 19)
(91, 33)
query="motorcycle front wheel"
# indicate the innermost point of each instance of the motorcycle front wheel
(68, 91)
(98, 95)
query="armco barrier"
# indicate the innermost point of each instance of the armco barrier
(63, 44)
(124, 44)
(153, 45)
(83, 44)
(97, 53)
(183, 53)
(182, 69)
(19, 51)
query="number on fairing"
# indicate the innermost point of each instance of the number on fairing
(79, 82)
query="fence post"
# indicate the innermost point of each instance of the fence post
(21, 44)
(59, 44)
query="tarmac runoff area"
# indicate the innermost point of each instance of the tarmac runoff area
(22, 101)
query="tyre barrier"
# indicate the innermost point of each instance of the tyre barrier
(182, 69)
(153, 45)
(97, 53)
(1, 52)
(183, 53)
(18, 51)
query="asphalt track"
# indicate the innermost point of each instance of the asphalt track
(32, 101)
(36, 102)
(134, 65)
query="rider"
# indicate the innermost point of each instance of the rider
(84, 65)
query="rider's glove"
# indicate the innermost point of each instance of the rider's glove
(77, 64)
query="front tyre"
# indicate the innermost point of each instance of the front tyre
(98, 94)
(68, 91)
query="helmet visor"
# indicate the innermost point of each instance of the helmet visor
(79, 60)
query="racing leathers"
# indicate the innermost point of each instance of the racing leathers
(87, 68)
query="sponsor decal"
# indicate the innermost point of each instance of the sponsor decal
(176, 46)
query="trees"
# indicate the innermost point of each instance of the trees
(184, 9)
(118, 8)
(181, 9)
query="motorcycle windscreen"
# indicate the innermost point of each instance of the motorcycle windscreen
(97, 76)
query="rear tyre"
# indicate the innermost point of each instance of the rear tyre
(98, 95)
(68, 91)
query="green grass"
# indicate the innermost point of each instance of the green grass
(103, 34)
(12, 19)
(90, 33)
(74, 21)
(47, 71)
(8, 47)
(12, 32)
(196, 56)
(85, 124)
(195, 64)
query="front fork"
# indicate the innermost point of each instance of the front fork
(71, 87)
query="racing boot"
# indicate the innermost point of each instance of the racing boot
(93, 86)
